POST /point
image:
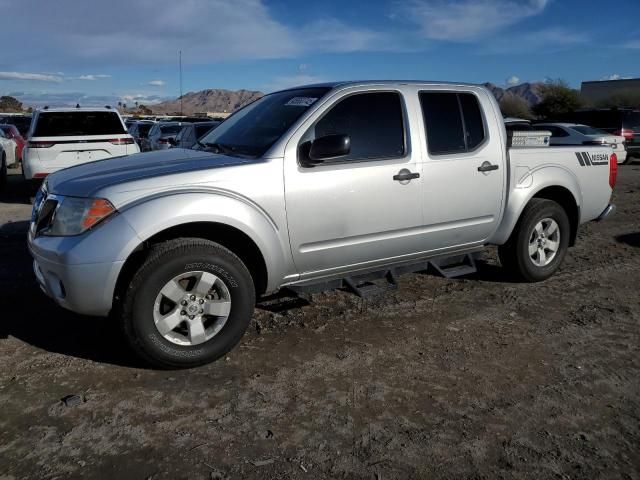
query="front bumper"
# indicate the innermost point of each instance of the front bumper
(80, 288)
(607, 212)
(80, 272)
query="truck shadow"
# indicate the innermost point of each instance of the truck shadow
(30, 316)
(17, 191)
(631, 239)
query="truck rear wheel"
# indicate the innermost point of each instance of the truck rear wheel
(538, 243)
(189, 303)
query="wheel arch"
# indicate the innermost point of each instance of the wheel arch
(551, 183)
(228, 236)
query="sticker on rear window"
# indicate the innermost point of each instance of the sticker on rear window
(301, 102)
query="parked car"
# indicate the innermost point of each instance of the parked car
(161, 136)
(302, 189)
(191, 132)
(12, 133)
(576, 134)
(9, 148)
(624, 122)
(21, 122)
(139, 130)
(64, 137)
(513, 124)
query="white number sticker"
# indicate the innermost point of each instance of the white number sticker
(301, 102)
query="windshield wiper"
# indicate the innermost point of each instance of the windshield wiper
(218, 147)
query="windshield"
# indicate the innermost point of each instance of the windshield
(170, 129)
(255, 128)
(632, 121)
(585, 130)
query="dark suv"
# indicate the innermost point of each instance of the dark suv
(618, 121)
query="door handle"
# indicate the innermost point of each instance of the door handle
(487, 167)
(405, 175)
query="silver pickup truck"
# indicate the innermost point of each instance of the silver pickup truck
(314, 187)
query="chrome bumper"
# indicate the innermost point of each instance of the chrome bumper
(609, 211)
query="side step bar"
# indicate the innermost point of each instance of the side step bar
(376, 282)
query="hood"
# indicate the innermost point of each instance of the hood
(86, 179)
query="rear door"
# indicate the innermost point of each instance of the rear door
(352, 211)
(464, 168)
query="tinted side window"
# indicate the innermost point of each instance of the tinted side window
(474, 126)
(374, 121)
(443, 121)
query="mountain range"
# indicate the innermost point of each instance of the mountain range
(228, 101)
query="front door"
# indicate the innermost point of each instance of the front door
(351, 211)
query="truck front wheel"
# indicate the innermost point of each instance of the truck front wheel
(538, 243)
(188, 304)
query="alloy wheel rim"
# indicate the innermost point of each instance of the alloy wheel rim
(544, 242)
(192, 308)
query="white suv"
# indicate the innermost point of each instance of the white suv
(64, 137)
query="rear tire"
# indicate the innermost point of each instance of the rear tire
(627, 160)
(538, 243)
(205, 279)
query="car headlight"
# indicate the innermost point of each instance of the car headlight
(74, 216)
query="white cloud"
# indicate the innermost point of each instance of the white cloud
(543, 41)
(157, 83)
(512, 81)
(633, 44)
(72, 32)
(468, 20)
(282, 82)
(92, 77)
(38, 77)
(614, 76)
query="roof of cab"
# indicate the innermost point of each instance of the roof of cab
(363, 83)
(77, 109)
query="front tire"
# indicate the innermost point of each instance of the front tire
(189, 303)
(538, 243)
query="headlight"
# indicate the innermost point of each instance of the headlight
(76, 215)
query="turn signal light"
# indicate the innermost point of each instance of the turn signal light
(98, 210)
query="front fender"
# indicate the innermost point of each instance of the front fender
(152, 216)
(527, 183)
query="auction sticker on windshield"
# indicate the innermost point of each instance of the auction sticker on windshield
(301, 102)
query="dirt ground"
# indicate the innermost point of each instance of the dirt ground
(468, 378)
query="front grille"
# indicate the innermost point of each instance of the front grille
(45, 214)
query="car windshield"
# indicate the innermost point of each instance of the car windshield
(63, 124)
(252, 130)
(143, 128)
(586, 130)
(632, 121)
(170, 129)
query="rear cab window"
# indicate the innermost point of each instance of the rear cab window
(453, 122)
(75, 124)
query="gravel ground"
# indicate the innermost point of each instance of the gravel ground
(466, 378)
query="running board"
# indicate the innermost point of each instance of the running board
(455, 266)
(376, 282)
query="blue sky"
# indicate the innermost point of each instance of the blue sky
(104, 51)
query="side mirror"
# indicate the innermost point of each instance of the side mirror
(329, 147)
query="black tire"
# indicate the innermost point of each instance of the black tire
(627, 160)
(164, 262)
(514, 255)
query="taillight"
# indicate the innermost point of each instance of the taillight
(627, 133)
(613, 170)
(121, 141)
(40, 175)
(41, 144)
